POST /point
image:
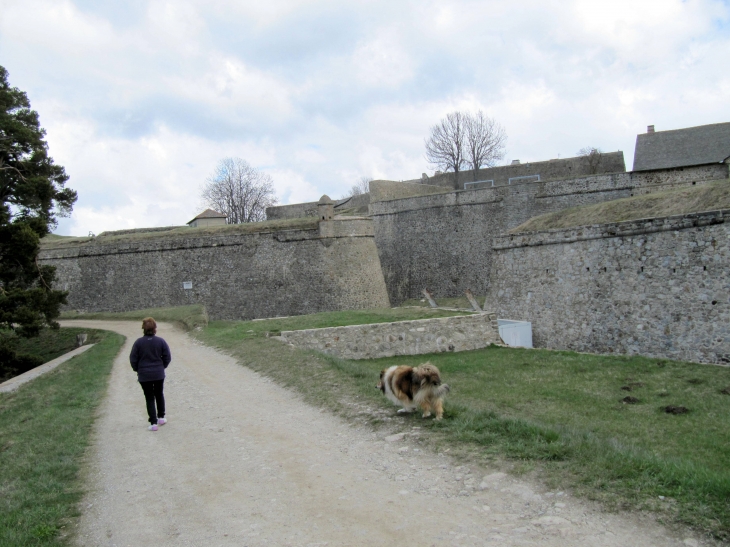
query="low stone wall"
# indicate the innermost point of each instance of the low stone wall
(460, 333)
(656, 287)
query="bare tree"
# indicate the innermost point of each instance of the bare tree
(362, 186)
(462, 139)
(445, 146)
(485, 140)
(594, 157)
(239, 191)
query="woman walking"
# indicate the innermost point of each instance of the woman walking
(149, 358)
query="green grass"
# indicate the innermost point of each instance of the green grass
(54, 343)
(44, 431)
(459, 302)
(273, 327)
(711, 196)
(557, 412)
(53, 241)
(188, 317)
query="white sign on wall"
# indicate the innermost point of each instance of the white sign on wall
(187, 285)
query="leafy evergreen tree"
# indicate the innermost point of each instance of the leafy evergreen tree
(32, 195)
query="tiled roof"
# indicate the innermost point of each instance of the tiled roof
(682, 147)
(209, 213)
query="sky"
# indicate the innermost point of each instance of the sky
(141, 99)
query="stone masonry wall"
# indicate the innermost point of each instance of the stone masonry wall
(609, 162)
(236, 276)
(655, 287)
(443, 242)
(460, 333)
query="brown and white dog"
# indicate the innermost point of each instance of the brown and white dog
(414, 387)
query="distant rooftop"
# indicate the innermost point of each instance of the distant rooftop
(682, 147)
(209, 213)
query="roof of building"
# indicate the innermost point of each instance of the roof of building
(208, 213)
(682, 147)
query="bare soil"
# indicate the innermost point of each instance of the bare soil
(244, 462)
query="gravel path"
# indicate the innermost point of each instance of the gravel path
(244, 462)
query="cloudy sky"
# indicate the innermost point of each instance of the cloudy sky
(142, 98)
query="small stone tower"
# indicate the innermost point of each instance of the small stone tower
(325, 208)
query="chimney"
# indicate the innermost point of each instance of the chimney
(650, 129)
(515, 162)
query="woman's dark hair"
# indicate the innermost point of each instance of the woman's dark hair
(149, 326)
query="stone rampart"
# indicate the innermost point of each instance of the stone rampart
(655, 287)
(385, 190)
(443, 242)
(460, 333)
(580, 166)
(295, 210)
(235, 275)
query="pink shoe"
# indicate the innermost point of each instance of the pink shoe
(153, 427)
(161, 421)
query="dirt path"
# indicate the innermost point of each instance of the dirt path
(243, 462)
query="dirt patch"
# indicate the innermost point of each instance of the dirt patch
(629, 400)
(674, 409)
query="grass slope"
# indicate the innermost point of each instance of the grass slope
(188, 317)
(274, 326)
(309, 223)
(54, 343)
(712, 196)
(44, 431)
(559, 412)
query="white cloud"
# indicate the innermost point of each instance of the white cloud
(141, 102)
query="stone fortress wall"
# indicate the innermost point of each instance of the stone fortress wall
(608, 162)
(443, 242)
(309, 209)
(656, 287)
(235, 275)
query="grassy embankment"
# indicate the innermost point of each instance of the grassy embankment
(187, 317)
(556, 412)
(559, 413)
(712, 196)
(44, 431)
(53, 241)
(43, 348)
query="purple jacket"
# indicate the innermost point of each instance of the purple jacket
(149, 358)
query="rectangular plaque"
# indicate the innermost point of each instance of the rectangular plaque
(187, 285)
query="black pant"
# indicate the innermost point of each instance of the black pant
(153, 392)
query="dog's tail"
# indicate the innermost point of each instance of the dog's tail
(441, 390)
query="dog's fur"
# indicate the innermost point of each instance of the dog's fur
(413, 387)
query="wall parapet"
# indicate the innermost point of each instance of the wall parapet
(655, 181)
(614, 229)
(420, 336)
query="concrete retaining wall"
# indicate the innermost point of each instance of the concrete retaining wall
(460, 333)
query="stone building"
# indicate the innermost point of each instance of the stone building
(688, 147)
